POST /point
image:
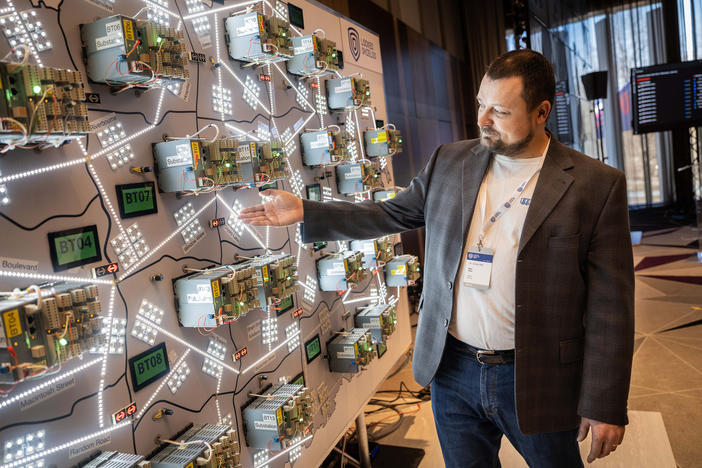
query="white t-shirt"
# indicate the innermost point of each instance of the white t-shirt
(484, 318)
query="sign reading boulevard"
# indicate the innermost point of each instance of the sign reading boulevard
(667, 96)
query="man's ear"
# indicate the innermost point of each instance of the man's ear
(543, 111)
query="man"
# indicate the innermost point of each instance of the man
(526, 318)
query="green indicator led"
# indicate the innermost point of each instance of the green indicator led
(367, 93)
(36, 89)
(227, 164)
(333, 55)
(63, 342)
(241, 303)
(8, 93)
(158, 40)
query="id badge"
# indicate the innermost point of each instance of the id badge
(478, 267)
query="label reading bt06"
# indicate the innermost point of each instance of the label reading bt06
(478, 267)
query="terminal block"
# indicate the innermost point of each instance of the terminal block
(214, 297)
(351, 350)
(324, 147)
(116, 460)
(379, 319)
(340, 271)
(272, 420)
(382, 142)
(276, 278)
(314, 56)
(42, 105)
(357, 177)
(403, 270)
(348, 93)
(125, 52)
(253, 37)
(196, 454)
(190, 166)
(375, 251)
(34, 338)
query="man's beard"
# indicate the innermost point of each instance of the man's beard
(499, 146)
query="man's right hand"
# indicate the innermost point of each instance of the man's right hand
(281, 209)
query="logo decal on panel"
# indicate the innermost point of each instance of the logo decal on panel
(354, 44)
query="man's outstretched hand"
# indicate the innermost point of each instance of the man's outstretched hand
(282, 209)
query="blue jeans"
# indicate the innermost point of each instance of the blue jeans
(473, 406)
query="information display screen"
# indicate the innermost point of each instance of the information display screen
(314, 192)
(74, 247)
(149, 366)
(667, 96)
(313, 348)
(136, 199)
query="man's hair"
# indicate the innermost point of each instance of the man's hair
(535, 71)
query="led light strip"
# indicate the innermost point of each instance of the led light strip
(103, 370)
(26, 393)
(295, 88)
(262, 358)
(110, 207)
(155, 5)
(41, 170)
(242, 132)
(217, 10)
(246, 226)
(280, 454)
(163, 382)
(17, 274)
(158, 106)
(361, 299)
(219, 69)
(319, 98)
(245, 87)
(358, 132)
(164, 241)
(23, 461)
(299, 129)
(219, 384)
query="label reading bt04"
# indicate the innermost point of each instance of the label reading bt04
(478, 267)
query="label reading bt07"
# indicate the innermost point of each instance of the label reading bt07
(478, 267)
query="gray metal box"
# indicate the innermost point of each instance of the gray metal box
(335, 272)
(340, 93)
(350, 350)
(174, 162)
(315, 148)
(402, 271)
(270, 422)
(199, 298)
(376, 142)
(368, 248)
(304, 61)
(349, 178)
(379, 319)
(244, 37)
(104, 43)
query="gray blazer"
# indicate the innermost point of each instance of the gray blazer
(574, 291)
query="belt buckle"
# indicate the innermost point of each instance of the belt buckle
(481, 352)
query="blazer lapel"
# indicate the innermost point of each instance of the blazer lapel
(474, 168)
(550, 188)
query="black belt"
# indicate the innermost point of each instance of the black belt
(483, 356)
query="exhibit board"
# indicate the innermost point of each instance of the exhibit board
(136, 348)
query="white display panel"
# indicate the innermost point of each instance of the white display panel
(74, 185)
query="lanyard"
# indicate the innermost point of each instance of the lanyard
(502, 209)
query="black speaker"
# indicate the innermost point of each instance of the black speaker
(595, 84)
